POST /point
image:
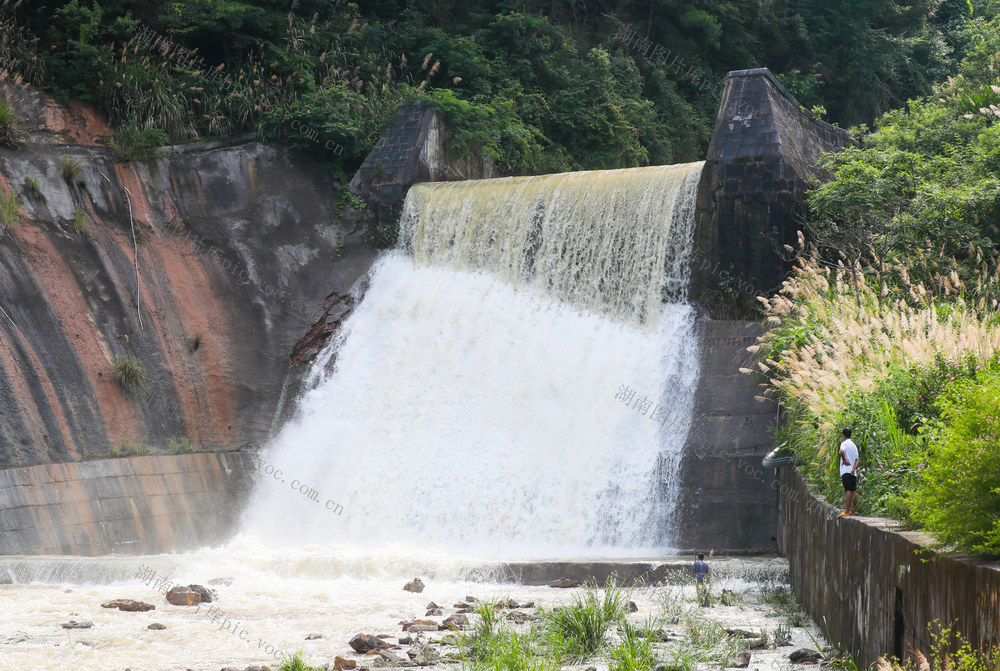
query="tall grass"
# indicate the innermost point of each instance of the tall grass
(10, 130)
(576, 631)
(493, 645)
(834, 332)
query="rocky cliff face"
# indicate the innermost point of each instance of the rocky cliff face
(204, 266)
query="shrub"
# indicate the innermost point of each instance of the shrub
(128, 372)
(133, 143)
(957, 496)
(949, 652)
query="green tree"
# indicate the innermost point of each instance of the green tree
(957, 498)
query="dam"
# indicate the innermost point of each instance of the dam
(534, 372)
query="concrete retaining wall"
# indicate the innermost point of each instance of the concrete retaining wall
(136, 505)
(726, 501)
(879, 587)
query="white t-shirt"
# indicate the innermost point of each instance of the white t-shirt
(851, 452)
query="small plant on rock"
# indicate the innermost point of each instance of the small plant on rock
(295, 663)
(131, 448)
(79, 219)
(10, 131)
(128, 372)
(180, 445)
(10, 206)
(35, 189)
(71, 168)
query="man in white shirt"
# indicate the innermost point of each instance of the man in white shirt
(848, 472)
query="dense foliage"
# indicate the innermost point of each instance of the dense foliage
(924, 187)
(545, 86)
(911, 374)
(890, 322)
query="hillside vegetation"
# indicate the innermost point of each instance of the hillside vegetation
(545, 86)
(890, 324)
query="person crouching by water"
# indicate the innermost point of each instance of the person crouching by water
(700, 570)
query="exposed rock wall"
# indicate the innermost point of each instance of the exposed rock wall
(236, 245)
(139, 505)
(879, 587)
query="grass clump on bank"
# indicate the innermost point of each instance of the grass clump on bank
(577, 631)
(131, 448)
(950, 651)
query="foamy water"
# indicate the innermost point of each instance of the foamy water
(469, 402)
(276, 599)
(517, 383)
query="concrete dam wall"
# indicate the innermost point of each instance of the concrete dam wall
(210, 263)
(136, 505)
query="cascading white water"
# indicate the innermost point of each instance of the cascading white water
(469, 402)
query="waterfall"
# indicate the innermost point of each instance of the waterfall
(517, 382)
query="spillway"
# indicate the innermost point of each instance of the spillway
(516, 383)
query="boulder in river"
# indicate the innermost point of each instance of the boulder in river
(456, 621)
(563, 583)
(742, 660)
(804, 656)
(342, 663)
(363, 643)
(129, 605)
(207, 595)
(156, 626)
(415, 585)
(73, 624)
(182, 596)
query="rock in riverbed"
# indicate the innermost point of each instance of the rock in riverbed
(362, 643)
(73, 624)
(129, 605)
(342, 663)
(456, 621)
(563, 583)
(804, 656)
(415, 585)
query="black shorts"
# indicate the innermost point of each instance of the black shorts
(850, 482)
